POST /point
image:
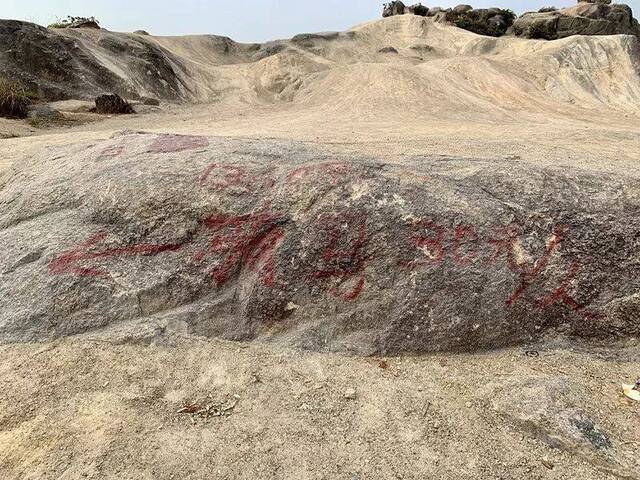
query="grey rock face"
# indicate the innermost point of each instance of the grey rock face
(58, 66)
(459, 9)
(43, 115)
(393, 8)
(143, 234)
(398, 8)
(551, 411)
(586, 18)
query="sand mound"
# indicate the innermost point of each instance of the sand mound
(437, 67)
(146, 234)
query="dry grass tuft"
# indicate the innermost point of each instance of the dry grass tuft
(14, 100)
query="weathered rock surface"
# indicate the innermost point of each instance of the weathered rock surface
(141, 234)
(554, 411)
(393, 8)
(42, 115)
(483, 21)
(57, 64)
(150, 101)
(113, 104)
(398, 8)
(586, 18)
(593, 17)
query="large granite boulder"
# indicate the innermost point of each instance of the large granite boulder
(586, 18)
(393, 8)
(493, 22)
(418, 9)
(112, 104)
(398, 8)
(142, 235)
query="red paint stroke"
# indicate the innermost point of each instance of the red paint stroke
(177, 143)
(530, 274)
(561, 294)
(344, 258)
(357, 290)
(67, 261)
(225, 175)
(465, 234)
(112, 151)
(335, 171)
(505, 244)
(433, 243)
(243, 240)
(221, 177)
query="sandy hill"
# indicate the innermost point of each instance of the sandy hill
(406, 62)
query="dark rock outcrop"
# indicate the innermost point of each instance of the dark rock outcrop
(50, 64)
(144, 234)
(393, 8)
(57, 64)
(112, 105)
(586, 18)
(85, 24)
(493, 22)
(398, 8)
(77, 22)
(418, 9)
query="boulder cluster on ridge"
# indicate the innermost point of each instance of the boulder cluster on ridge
(588, 17)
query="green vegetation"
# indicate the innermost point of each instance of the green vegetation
(14, 99)
(493, 22)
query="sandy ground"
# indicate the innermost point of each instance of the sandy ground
(71, 409)
(89, 410)
(600, 142)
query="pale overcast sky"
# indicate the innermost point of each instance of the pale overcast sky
(242, 20)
